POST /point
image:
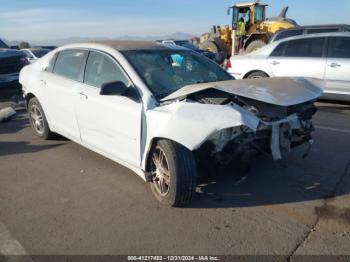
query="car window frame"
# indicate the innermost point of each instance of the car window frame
(329, 45)
(82, 67)
(276, 37)
(53, 59)
(324, 48)
(124, 72)
(285, 43)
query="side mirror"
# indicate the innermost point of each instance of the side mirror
(113, 88)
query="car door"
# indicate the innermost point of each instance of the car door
(299, 58)
(58, 85)
(109, 123)
(337, 75)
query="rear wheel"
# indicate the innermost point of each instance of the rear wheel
(217, 49)
(257, 74)
(173, 173)
(38, 120)
(255, 45)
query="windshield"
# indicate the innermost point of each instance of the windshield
(40, 52)
(165, 71)
(187, 45)
(259, 14)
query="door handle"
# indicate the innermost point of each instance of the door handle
(334, 65)
(83, 96)
(275, 63)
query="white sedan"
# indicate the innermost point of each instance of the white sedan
(164, 111)
(322, 56)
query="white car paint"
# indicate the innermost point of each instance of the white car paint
(123, 129)
(333, 71)
(281, 91)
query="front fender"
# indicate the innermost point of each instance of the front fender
(190, 124)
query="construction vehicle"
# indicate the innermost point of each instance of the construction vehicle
(259, 30)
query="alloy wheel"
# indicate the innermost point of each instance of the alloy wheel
(160, 172)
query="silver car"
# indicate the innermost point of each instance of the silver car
(321, 56)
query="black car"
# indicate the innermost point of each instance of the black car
(11, 62)
(49, 47)
(189, 45)
(311, 29)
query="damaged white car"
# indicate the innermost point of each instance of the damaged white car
(164, 111)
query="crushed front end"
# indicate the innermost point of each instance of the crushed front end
(280, 129)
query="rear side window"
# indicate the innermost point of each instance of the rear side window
(279, 50)
(288, 33)
(339, 47)
(101, 69)
(69, 63)
(309, 47)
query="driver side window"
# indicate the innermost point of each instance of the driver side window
(101, 69)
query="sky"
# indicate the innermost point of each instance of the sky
(56, 19)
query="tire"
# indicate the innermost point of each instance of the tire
(257, 74)
(254, 45)
(174, 180)
(217, 49)
(38, 120)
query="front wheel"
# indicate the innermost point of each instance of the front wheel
(173, 173)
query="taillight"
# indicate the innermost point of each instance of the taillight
(228, 64)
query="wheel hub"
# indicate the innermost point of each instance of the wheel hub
(160, 172)
(37, 119)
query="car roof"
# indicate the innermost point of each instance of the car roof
(329, 34)
(127, 45)
(248, 4)
(324, 26)
(35, 48)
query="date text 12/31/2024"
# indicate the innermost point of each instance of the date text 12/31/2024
(173, 258)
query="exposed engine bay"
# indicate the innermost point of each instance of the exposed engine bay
(239, 119)
(281, 128)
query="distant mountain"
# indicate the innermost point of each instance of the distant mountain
(59, 42)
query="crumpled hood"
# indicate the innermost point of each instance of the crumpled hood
(282, 91)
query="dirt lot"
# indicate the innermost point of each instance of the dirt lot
(57, 197)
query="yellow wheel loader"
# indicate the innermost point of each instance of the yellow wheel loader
(259, 30)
